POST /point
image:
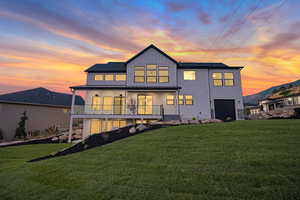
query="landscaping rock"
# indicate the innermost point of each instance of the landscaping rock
(141, 127)
(208, 121)
(132, 130)
(55, 139)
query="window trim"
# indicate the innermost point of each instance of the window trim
(159, 76)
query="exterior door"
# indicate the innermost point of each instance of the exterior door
(224, 109)
(144, 105)
(118, 105)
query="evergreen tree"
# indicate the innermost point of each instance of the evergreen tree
(21, 130)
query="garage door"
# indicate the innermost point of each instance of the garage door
(224, 109)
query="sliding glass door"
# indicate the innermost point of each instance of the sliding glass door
(144, 105)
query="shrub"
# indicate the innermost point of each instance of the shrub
(1, 134)
(21, 130)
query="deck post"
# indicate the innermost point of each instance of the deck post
(71, 117)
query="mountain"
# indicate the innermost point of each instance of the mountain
(41, 96)
(254, 98)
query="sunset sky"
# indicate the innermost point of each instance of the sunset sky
(49, 43)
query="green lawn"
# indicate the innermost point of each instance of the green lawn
(237, 160)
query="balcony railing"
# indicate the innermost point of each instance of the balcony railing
(118, 110)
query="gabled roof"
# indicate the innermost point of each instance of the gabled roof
(41, 96)
(108, 67)
(121, 66)
(149, 47)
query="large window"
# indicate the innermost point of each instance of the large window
(217, 79)
(98, 125)
(223, 79)
(96, 102)
(189, 75)
(151, 73)
(228, 79)
(120, 77)
(95, 126)
(139, 74)
(163, 74)
(170, 100)
(107, 103)
(188, 99)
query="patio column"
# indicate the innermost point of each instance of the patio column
(71, 116)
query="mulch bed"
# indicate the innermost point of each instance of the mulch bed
(100, 139)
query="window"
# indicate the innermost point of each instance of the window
(228, 79)
(96, 102)
(188, 99)
(99, 77)
(151, 73)
(120, 77)
(189, 75)
(107, 103)
(180, 100)
(163, 74)
(95, 126)
(170, 100)
(109, 77)
(139, 74)
(217, 79)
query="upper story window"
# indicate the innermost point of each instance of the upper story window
(228, 79)
(109, 77)
(163, 74)
(99, 77)
(223, 79)
(189, 75)
(120, 77)
(151, 73)
(217, 79)
(139, 74)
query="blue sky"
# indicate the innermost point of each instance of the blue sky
(42, 41)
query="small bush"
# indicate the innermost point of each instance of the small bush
(1, 134)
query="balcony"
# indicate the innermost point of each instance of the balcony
(117, 111)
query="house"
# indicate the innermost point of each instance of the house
(253, 110)
(153, 86)
(273, 103)
(43, 107)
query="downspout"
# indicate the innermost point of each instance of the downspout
(209, 95)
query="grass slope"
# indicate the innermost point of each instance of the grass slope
(239, 160)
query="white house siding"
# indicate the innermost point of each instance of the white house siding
(39, 117)
(199, 90)
(151, 56)
(228, 92)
